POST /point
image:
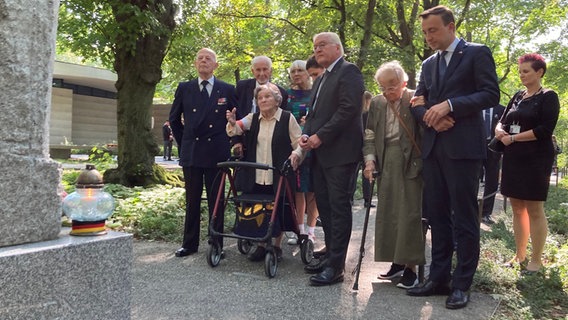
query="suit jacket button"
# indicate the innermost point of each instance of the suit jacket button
(197, 139)
(194, 110)
(216, 111)
(208, 139)
(210, 126)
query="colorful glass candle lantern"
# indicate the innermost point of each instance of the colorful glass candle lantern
(89, 206)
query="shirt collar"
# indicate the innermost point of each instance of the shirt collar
(276, 116)
(452, 47)
(210, 80)
(333, 65)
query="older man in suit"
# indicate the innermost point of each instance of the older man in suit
(456, 83)
(334, 132)
(203, 141)
(491, 164)
(261, 68)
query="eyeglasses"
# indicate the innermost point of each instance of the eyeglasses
(320, 45)
(388, 89)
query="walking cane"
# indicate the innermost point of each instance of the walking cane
(357, 269)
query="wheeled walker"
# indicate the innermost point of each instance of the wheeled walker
(258, 217)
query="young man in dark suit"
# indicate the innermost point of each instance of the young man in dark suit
(334, 133)
(456, 83)
(491, 164)
(203, 142)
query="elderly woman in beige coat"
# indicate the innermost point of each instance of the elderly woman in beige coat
(391, 147)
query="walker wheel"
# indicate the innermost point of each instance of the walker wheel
(244, 246)
(270, 264)
(307, 251)
(213, 254)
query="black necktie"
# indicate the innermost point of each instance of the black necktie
(442, 65)
(319, 88)
(204, 92)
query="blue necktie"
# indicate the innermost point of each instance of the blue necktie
(442, 65)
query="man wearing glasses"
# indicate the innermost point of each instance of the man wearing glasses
(334, 132)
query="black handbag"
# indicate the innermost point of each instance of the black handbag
(495, 145)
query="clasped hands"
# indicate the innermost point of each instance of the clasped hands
(307, 143)
(437, 116)
(502, 135)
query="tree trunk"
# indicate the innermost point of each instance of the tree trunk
(367, 33)
(138, 66)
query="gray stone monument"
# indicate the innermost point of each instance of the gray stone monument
(30, 206)
(44, 272)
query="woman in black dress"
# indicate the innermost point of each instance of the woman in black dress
(526, 129)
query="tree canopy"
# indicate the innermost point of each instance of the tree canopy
(372, 31)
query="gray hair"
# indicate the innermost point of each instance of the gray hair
(333, 38)
(261, 58)
(393, 66)
(297, 64)
(272, 88)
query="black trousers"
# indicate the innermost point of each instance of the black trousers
(450, 197)
(333, 187)
(194, 178)
(491, 167)
(168, 149)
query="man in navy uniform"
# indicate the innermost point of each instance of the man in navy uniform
(203, 142)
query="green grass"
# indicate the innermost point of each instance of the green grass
(542, 296)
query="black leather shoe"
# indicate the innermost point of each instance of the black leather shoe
(319, 254)
(429, 288)
(315, 268)
(327, 277)
(182, 252)
(458, 299)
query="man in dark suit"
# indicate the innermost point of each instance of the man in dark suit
(334, 132)
(261, 68)
(491, 164)
(203, 142)
(456, 83)
(168, 138)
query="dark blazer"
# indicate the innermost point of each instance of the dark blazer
(245, 94)
(166, 132)
(335, 119)
(471, 85)
(202, 137)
